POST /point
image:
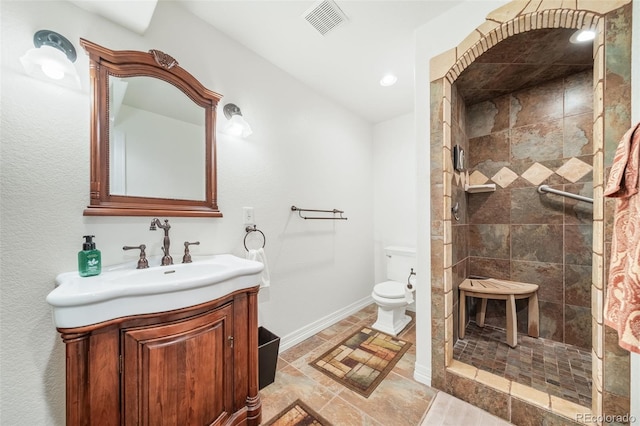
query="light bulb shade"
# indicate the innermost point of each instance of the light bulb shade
(238, 126)
(388, 80)
(50, 63)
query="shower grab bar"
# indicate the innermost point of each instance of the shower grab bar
(334, 211)
(546, 188)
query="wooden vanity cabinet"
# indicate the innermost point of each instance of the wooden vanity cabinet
(194, 366)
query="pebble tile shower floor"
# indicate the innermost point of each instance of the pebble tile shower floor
(556, 368)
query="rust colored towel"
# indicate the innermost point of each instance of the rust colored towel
(622, 310)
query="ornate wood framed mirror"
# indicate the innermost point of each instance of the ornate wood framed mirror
(153, 147)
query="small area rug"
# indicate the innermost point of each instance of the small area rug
(298, 414)
(363, 360)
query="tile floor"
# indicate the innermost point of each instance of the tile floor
(399, 400)
(548, 366)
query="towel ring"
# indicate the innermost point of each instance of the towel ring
(249, 230)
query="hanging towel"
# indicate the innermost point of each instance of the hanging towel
(622, 308)
(259, 256)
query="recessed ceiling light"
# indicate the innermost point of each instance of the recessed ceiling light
(582, 36)
(388, 80)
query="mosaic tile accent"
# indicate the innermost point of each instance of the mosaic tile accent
(556, 368)
(477, 178)
(362, 361)
(504, 177)
(537, 173)
(574, 169)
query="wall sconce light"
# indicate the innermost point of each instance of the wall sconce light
(237, 125)
(52, 59)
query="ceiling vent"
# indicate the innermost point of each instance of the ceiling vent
(325, 16)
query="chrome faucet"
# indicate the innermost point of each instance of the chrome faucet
(166, 259)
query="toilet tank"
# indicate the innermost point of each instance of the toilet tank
(399, 262)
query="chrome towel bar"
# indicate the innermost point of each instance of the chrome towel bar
(546, 188)
(334, 211)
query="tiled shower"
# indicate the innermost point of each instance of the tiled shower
(539, 135)
(611, 62)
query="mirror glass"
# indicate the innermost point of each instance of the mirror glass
(157, 140)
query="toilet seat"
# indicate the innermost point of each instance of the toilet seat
(389, 290)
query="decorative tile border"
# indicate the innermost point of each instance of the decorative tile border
(514, 18)
(573, 170)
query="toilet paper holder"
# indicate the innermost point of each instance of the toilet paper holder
(409, 285)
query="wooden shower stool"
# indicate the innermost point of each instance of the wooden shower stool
(490, 288)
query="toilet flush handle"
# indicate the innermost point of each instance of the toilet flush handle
(409, 285)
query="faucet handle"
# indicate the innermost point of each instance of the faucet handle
(143, 263)
(187, 256)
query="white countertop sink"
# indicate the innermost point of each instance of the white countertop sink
(122, 290)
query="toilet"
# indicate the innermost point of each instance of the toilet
(393, 296)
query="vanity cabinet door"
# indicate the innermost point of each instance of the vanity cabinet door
(179, 373)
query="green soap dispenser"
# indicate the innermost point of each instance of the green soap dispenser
(89, 261)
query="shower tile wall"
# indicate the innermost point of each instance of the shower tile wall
(539, 135)
(459, 228)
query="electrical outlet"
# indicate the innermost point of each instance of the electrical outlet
(247, 214)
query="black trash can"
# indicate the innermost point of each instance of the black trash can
(268, 346)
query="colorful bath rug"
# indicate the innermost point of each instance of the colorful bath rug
(298, 414)
(362, 361)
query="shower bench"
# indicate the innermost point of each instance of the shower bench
(510, 291)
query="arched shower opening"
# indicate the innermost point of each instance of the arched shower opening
(520, 129)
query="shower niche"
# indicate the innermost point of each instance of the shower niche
(526, 107)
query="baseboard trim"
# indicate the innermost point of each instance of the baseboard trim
(422, 374)
(307, 331)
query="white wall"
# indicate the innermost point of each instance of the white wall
(394, 188)
(452, 26)
(305, 150)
